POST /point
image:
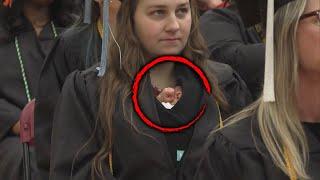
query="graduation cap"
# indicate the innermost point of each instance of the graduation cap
(105, 17)
(268, 89)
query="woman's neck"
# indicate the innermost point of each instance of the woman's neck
(162, 75)
(39, 16)
(308, 96)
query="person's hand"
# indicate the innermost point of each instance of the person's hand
(16, 128)
(170, 95)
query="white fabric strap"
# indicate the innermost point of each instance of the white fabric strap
(268, 89)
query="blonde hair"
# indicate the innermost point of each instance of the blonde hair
(279, 122)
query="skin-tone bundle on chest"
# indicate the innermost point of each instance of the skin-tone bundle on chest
(168, 96)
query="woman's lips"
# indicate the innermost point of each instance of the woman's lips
(170, 40)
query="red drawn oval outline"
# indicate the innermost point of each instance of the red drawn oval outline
(142, 72)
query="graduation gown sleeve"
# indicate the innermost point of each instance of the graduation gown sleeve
(63, 60)
(9, 114)
(72, 153)
(238, 153)
(229, 42)
(48, 93)
(225, 160)
(78, 49)
(67, 55)
(233, 87)
(12, 97)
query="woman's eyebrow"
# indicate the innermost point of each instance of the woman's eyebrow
(183, 4)
(157, 6)
(165, 6)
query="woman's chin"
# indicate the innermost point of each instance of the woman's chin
(171, 52)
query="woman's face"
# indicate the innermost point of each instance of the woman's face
(308, 37)
(163, 26)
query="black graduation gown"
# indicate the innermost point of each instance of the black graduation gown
(230, 42)
(141, 155)
(3, 34)
(12, 91)
(77, 48)
(232, 154)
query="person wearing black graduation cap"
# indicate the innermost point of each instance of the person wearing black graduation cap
(78, 48)
(277, 137)
(97, 133)
(28, 31)
(234, 36)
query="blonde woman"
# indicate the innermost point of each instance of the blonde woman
(277, 140)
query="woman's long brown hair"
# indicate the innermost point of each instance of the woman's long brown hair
(115, 85)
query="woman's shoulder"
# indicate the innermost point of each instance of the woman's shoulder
(234, 88)
(242, 135)
(235, 153)
(73, 38)
(223, 72)
(84, 84)
(224, 14)
(87, 78)
(76, 32)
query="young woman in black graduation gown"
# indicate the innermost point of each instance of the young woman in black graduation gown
(28, 30)
(97, 134)
(277, 140)
(77, 48)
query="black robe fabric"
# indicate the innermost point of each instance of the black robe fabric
(230, 42)
(139, 152)
(12, 91)
(232, 154)
(77, 49)
(177, 116)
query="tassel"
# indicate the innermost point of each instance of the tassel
(268, 89)
(103, 63)
(87, 12)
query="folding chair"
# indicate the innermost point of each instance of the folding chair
(27, 136)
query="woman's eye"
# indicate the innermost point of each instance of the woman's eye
(317, 20)
(158, 12)
(182, 12)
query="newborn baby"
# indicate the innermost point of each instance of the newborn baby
(169, 96)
